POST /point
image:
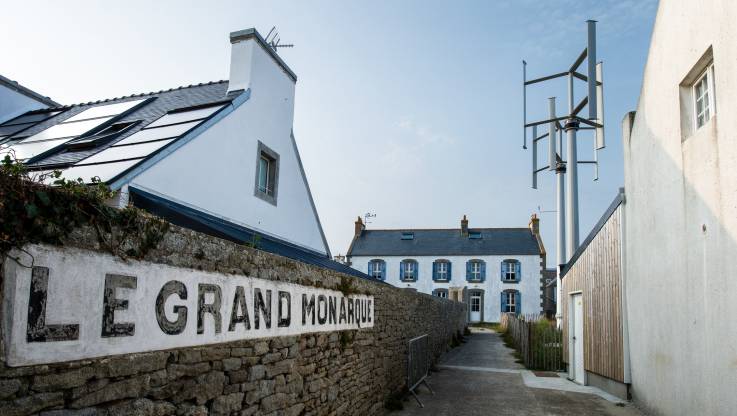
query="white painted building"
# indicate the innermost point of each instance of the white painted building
(681, 227)
(219, 157)
(494, 270)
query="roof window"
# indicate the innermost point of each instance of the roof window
(408, 236)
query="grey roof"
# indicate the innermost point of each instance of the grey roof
(15, 86)
(445, 242)
(165, 101)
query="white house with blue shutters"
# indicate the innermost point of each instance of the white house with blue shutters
(494, 270)
(218, 157)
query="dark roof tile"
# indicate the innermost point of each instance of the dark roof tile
(446, 242)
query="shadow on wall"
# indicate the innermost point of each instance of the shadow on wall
(680, 273)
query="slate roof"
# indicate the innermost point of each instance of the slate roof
(203, 222)
(445, 242)
(162, 102)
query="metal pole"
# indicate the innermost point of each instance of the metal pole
(572, 193)
(560, 172)
(524, 106)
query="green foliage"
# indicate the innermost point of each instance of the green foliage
(45, 208)
(346, 286)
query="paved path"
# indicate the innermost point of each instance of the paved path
(481, 378)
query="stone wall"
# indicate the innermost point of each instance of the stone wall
(347, 372)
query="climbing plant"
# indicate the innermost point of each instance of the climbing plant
(46, 208)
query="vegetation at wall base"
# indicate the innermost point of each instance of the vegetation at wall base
(46, 208)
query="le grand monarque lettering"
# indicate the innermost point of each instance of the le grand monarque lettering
(244, 310)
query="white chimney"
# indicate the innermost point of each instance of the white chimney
(250, 54)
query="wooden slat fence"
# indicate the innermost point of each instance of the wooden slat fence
(537, 340)
(597, 275)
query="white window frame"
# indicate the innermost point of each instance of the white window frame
(441, 294)
(475, 306)
(475, 270)
(511, 302)
(510, 270)
(376, 269)
(442, 270)
(709, 110)
(409, 270)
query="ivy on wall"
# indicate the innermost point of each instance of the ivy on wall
(45, 208)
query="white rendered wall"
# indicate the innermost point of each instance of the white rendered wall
(216, 171)
(681, 228)
(13, 103)
(529, 285)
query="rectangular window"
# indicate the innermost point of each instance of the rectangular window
(409, 270)
(376, 269)
(703, 93)
(476, 271)
(511, 305)
(267, 174)
(475, 303)
(442, 269)
(509, 271)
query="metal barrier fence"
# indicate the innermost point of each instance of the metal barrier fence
(418, 364)
(538, 341)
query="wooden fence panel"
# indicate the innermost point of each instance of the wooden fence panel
(597, 275)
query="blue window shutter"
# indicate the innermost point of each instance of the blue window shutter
(483, 271)
(501, 271)
(503, 302)
(468, 271)
(401, 270)
(518, 270)
(449, 275)
(371, 269)
(517, 302)
(383, 270)
(434, 270)
(417, 271)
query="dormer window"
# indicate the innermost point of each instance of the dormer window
(474, 235)
(408, 236)
(267, 174)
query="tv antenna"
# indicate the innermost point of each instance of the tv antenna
(273, 39)
(368, 216)
(567, 201)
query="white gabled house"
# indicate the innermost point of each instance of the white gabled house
(494, 270)
(218, 157)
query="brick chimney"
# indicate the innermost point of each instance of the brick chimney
(534, 224)
(359, 227)
(464, 226)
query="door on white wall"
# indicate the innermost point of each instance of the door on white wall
(475, 307)
(575, 350)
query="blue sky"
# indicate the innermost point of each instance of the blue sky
(407, 109)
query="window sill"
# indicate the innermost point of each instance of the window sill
(441, 280)
(511, 281)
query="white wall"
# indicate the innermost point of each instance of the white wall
(681, 228)
(529, 285)
(216, 171)
(13, 103)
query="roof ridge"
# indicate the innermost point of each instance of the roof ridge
(143, 94)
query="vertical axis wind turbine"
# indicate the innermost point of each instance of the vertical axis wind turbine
(566, 171)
